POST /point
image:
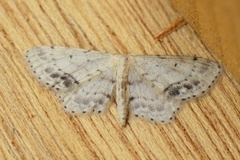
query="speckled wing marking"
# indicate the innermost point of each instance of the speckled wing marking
(148, 87)
(157, 85)
(83, 80)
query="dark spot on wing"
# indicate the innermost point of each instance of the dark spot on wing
(108, 96)
(173, 91)
(63, 77)
(131, 98)
(54, 75)
(100, 101)
(86, 51)
(195, 82)
(67, 82)
(188, 86)
(48, 69)
(130, 83)
(195, 58)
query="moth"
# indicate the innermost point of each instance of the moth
(147, 87)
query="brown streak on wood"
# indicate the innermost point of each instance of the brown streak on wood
(173, 27)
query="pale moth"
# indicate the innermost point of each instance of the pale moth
(147, 87)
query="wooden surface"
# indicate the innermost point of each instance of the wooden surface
(217, 23)
(33, 126)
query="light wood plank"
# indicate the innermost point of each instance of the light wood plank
(33, 126)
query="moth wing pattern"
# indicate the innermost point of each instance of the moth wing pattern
(158, 85)
(82, 79)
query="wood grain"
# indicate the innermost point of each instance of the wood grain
(33, 126)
